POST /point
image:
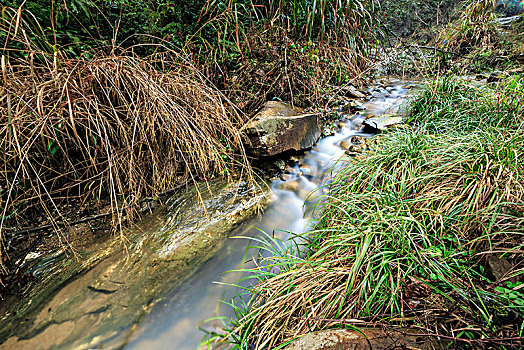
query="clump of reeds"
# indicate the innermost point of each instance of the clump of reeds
(107, 127)
(405, 232)
(289, 50)
(473, 30)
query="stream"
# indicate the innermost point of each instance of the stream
(164, 286)
(174, 322)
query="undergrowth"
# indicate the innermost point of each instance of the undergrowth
(103, 129)
(92, 119)
(473, 30)
(408, 233)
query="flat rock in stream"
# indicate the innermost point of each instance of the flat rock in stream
(278, 128)
(365, 338)
(351, 91)
(95, 301)
(382, 122)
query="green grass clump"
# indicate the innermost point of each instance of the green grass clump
(406, 231)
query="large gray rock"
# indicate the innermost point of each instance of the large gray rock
(278, 128)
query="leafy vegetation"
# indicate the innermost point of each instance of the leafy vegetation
(405, 232)
(109, 102)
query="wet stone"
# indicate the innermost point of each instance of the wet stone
(84, 302)
(305, 170)
(289, 186)
(286, 177)
(355, 149)
(365, 338)
(358, 139)
(289, 169)
(357, 106)
(278, 127)
(383, 122)
(345, 144)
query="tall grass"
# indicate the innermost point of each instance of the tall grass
(405, 232)
(107, 126)
(286, 49)
(473, 30)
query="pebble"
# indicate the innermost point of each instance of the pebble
(357, 140)
(289, 170)
(286, 177)
(305, 170)
(344, 144)
(355, 149)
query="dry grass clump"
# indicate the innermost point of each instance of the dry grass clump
(405, 233)
(111, 128)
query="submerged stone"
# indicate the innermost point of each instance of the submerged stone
(345, 144)
(382, 122)
(289, 186)
(278, 128)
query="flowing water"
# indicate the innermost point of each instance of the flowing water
(174, 322)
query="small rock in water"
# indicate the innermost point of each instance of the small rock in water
(305, 171)
(286, 177)
(355, 149)
(342, 125)
(351, 91)
(344, 144)
(358, 139)
(289, 186)
(289, 169)
(383, 122)
(357, 106)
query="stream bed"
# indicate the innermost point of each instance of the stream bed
(174, 323)
(157, 301)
